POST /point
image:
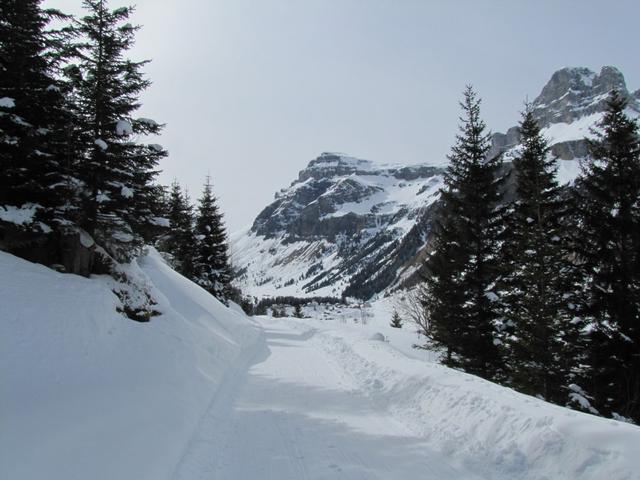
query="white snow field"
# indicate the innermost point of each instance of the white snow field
(88, 394)
(202, 392)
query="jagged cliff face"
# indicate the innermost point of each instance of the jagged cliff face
(338, 195)
(346, 226)
(568, 106)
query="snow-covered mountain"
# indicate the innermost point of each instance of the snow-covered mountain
(350, 227)
(344, 226)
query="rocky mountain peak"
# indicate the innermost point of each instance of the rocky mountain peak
(571, 102)
(331, 164)
(309, 206)
(572, 93)
(345, 225)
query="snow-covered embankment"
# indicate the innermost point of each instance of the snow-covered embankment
(492, 430)
(86, 393)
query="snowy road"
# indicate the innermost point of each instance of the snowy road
(294, 415)
(203, 392)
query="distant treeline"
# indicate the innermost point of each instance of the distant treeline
(262, 306)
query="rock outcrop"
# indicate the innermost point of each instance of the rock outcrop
(571, 102)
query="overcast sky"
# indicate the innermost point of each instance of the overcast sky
(251, 91)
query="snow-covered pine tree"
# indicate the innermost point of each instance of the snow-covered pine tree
(608, 246)
(211, 263)
(35, 198)
(117, 170)
(153, 222)
(396, 321)
(180, 240)
(174, 211)
(538, 285)
(463, 268)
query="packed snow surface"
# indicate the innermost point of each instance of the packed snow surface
(202, 392)
(328, 399)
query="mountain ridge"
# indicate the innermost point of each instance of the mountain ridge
(352, 227)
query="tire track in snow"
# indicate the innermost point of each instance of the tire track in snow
(292, 416)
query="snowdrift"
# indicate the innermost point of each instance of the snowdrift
(494, 431)
(88, 394)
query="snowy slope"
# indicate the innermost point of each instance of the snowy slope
(89, 394)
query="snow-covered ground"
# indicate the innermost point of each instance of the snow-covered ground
(202, 392)
(88, 394)
(465, 422)
(298, 415)
(325, 399)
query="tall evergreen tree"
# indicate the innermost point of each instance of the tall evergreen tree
(538, 285)
(211, 263)
(180, 240)
(33, 154)
(117, 170)
(463, 268)
(608, 246)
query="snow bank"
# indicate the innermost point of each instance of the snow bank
(497, 432)
(87, 393)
